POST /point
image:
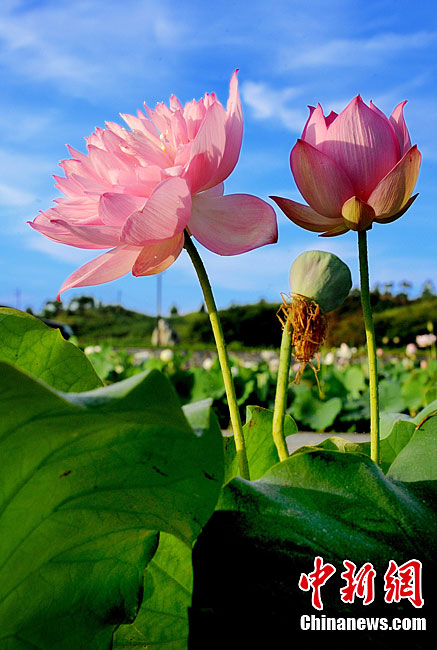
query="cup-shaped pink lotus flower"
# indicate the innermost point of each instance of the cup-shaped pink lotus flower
(137, 190)
(352, 169)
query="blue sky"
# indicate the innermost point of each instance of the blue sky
(67, 67)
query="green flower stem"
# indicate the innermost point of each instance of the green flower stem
(234, 412)
(282, 393)
(371, 346)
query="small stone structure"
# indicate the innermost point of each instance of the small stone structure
(164, 335)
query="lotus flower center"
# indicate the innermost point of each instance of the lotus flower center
(163, 138)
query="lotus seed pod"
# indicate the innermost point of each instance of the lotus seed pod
(321, 276)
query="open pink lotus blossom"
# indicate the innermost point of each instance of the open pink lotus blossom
(353, 169)
(137, 190)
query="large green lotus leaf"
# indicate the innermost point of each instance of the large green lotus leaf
(354, 381)
(397, 429)
(350, 494)
(83, 492)
(395, 432)
(430, 409)
(28, 343)
(163, 617)
(393, 443)
(390, 396)
(206, 384)
(414, 389)
(266, 533)
(127, 395)
(387, 420)
(261, 450)
(336, 443)
(417, 460)
(316, 413)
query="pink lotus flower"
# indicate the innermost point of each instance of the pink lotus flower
(353, 169)
(137, 190)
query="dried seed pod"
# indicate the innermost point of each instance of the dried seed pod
(319, 283)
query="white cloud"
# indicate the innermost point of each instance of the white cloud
(31, 125)
(84, 47)
(270, 103)
(60, 252)
(264, 270)
(14, 196)
(18, 167)
(357, 52)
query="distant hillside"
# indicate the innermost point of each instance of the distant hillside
(255, 325)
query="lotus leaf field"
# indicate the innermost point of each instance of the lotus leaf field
(406, 385)
(83, 457)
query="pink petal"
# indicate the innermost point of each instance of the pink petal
(234, 131)
(143, 181)
(91, 236)
(165, 214)
(72, 167)
(209, 99)
(109, 266)
(322, 183)
(142, 125)
(179, 132)
(116, 128)
(82, 210)
(57, 232)
(89, 185)
(158, 118)
(232, 224)
(315, 129)
(304, 216)
(175, 104)
(183, 155)
(384, 117)
(398, 122)
(68, 186)
(194, 113)
(399, 214)
(147, 149)
(393, 192)
(357, 214)
(363, 143)
(106, 165)
(334, 232)
(114, 209)
(330, 118)
(158, 257)
(377, 110)
(164, 112)
(207, 150)
(217, 190)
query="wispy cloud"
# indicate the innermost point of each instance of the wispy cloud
(84, 54)
(16, 166)
(14, 196)
(265, 270)
(60, 252)
(357, 52)
(267, 102)
(67, 67)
